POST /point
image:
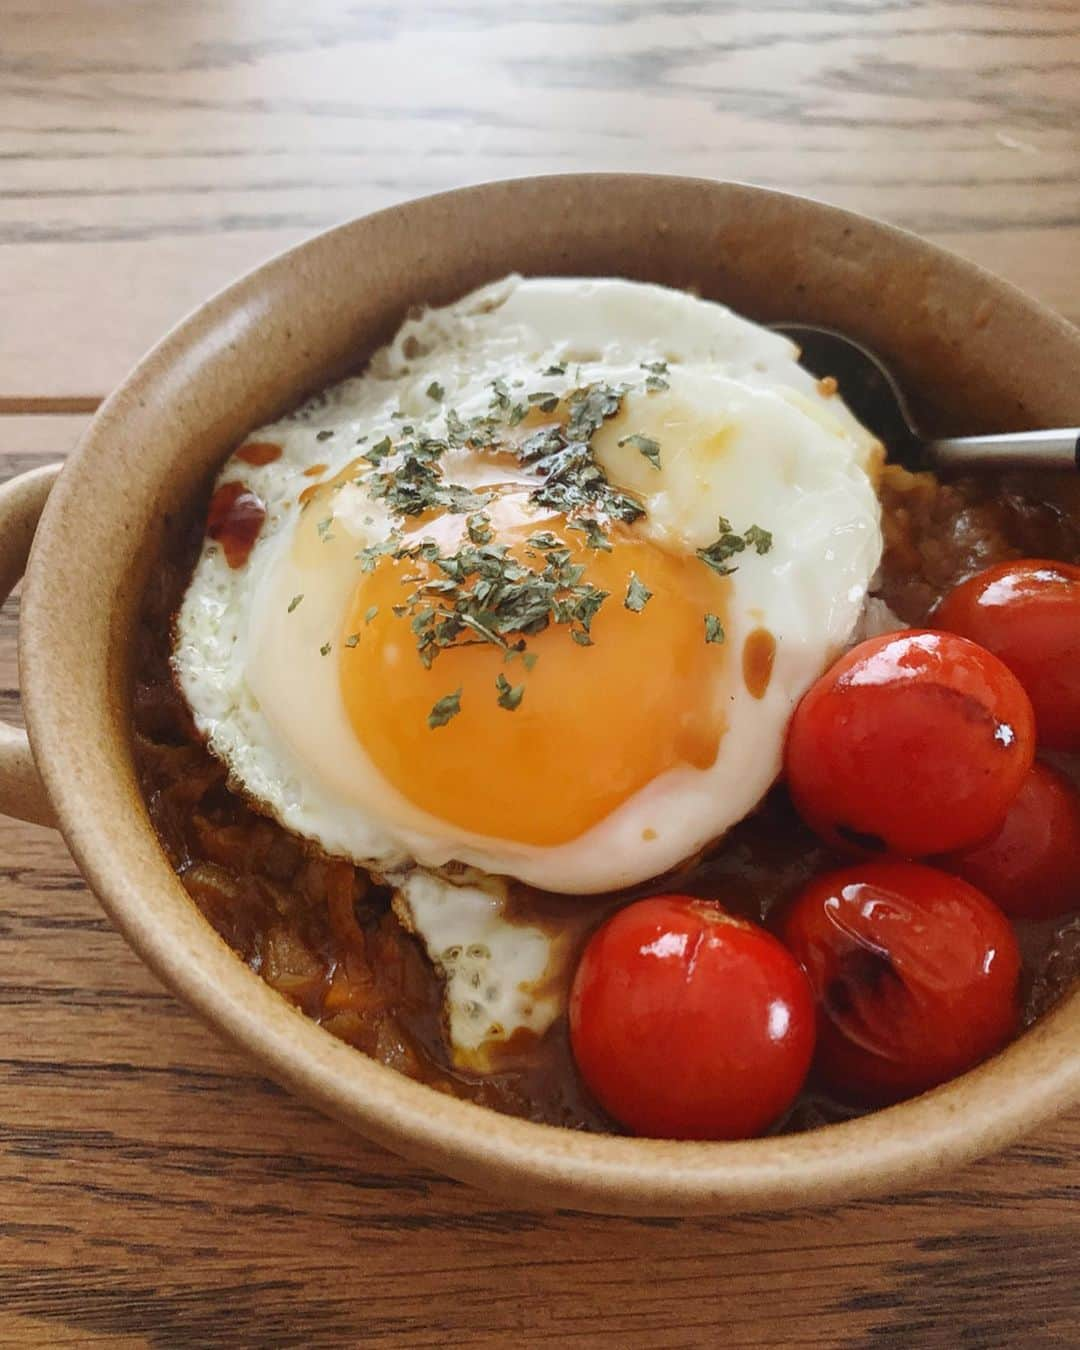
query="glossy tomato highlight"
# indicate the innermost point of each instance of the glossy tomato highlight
(912, 743)
(689, 1023)
(914, 971)
(1028, 614)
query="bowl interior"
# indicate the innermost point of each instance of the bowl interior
(975, 355)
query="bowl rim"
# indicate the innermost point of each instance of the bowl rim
(880, 1152)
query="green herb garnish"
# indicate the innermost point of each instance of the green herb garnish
(648, 447)
(718, 555)
(654, 380)
(479, 528)
(500, 396)
(757, 538)
(638, 594)
(446, 707)
(378, 452)
(510, 695)
(368, 557)
(294, 602)
(480, 592)
(417, 485)
(545, 541)
(575, 482)
(486, 595)
(594, 535)
(562, 456)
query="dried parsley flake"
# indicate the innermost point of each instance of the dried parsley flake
(510, 695)
(447, 707)
(646, 445)
(638, 594)
(718, 554)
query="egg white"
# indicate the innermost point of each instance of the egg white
(744, 432)
(500, 977)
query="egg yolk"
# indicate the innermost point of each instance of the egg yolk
(595, 724)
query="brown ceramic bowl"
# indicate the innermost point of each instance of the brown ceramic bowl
(976, 356)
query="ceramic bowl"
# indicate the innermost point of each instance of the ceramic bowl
(975, 354)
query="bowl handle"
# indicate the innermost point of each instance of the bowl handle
(22, 501)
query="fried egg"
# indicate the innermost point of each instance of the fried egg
(679, 576)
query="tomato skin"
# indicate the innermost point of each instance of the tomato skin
(913, 742)
(688, 1023)
(914, 971)
(1028, 614)
(1031, 865)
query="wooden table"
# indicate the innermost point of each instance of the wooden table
(156, 1191)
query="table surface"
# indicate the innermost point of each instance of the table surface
(155, 1189)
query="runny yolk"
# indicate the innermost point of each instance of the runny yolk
(595, 724)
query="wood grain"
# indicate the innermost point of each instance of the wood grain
(151, 152)
(154, 1190)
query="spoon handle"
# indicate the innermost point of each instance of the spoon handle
(1019, 449)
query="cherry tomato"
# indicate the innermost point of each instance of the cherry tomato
(915, 974)
(1028, 614)
(914, 742)
(689, 1023)
(1031, 865)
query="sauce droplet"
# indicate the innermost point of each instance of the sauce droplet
(233, 519)
(259, 452)
(758, 655)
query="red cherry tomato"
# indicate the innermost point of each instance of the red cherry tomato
(1031, 865)
(1028, 614)
(689, 1023)
(914, 742)
(915, 974)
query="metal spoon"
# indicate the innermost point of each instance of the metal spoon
(873, 395)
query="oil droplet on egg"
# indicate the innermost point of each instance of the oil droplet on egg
(759, 653)
(233, 519)
(259, 453)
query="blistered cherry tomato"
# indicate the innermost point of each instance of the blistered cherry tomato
(1031, 865)
(689, 1023)
(915, 974)
(913, 742)
(1028, 614)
